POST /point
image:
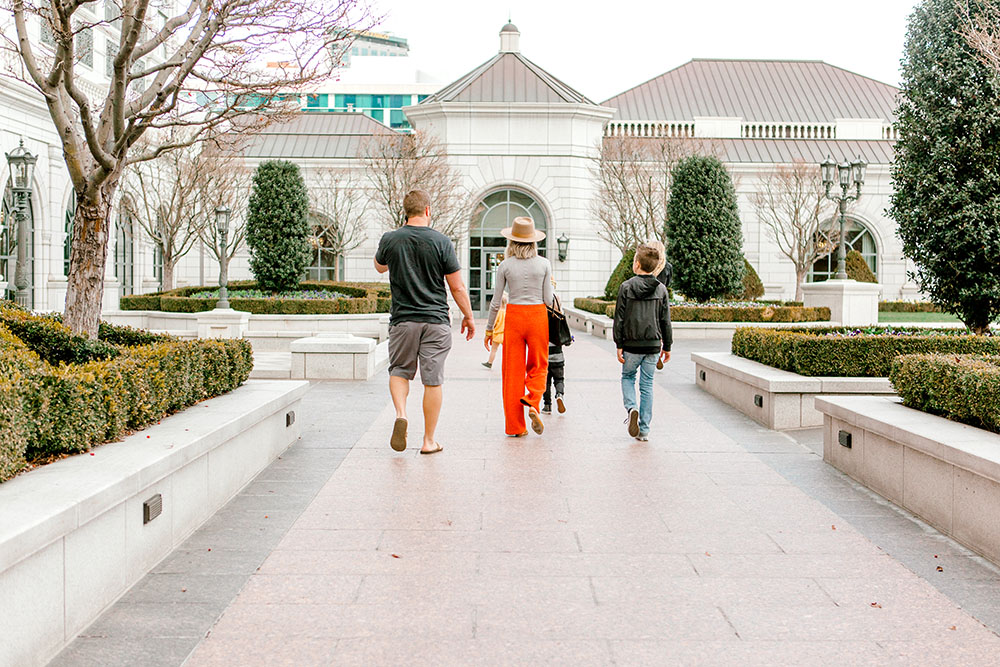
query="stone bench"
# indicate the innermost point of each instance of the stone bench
(776, 398)
(945, 472)
(337, 356)
(77, 533)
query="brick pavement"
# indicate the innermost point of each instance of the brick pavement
(583, 546)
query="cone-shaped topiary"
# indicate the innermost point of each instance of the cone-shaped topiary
(753, 288)
(706, 240)
(946, 202)
(858, 269)
(278, 226)
(621, 273)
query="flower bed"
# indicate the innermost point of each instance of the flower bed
(312, 298)
(62, 394)
(964, 388)
(849, 352)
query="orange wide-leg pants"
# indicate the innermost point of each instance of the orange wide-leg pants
(525, 362)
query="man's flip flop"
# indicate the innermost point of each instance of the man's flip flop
(398, 439)
(432, 451)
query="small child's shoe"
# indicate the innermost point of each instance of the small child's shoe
(546, 409)
(560, 404)
(642, 437)
(487, 364)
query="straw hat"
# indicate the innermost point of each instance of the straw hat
(523, 231)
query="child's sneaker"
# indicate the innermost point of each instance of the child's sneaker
(487, 364)
(546, 409)
(633, 422)
(560, 404)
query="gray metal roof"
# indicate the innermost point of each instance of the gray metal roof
(757, 91)
(315, 135)
(508, 77)
(786, 151)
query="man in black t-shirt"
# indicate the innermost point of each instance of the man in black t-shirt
(419, 261)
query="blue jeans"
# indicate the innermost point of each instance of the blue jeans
(645, 364)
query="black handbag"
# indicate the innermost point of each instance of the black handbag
(559, 333)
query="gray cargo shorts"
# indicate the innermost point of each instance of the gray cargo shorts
(419, 343)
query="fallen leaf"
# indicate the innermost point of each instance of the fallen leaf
(92, 453)
(184, 590)
(209, 549)
(876, 605)
(395, 555)
(953, 628)
(833, 528)
(935, 555)
(939, 568)
(707, 554)
(265, 516)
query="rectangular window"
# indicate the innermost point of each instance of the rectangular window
(363, 101)
(396, 101)
(350, 100)
(85, 46)
(396, 118)
(354, 51)
(377, 114)
(421, 98)
(110, 51)
(364, 52)
(317, 101)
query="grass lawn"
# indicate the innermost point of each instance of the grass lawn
(916, 318)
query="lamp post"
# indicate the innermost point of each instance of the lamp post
(22, 164)
(844, 174)
(222, 227)
(563, 244)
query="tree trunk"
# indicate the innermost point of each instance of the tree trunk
(87, 260)
(167, 281)
(336, 267)
(800, 277)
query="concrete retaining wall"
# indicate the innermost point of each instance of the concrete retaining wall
(777, 399)
(72, 533)
(944, 472)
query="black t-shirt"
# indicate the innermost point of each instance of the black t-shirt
(418, 259)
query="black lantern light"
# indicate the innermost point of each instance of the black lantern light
(846, 173)
(563, 244)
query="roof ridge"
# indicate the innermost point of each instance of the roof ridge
(464, 81)
(553, 82)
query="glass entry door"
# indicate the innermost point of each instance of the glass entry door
(486, 246)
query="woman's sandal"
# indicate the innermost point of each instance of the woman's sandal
(432, 451)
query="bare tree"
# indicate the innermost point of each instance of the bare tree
(790, 204)
(201, 68)
(162, 195)
(396, 164)
(227, 185)
(633, 176)
(338, 205)
(980, 21)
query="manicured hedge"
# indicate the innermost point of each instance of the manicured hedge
(849, 352)
(593, 305)
(907, 307)
(365, 298)
(964, 388)
(50, 406)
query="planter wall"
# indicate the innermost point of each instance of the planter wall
(944, 472)
(74, 535)
(777, 399)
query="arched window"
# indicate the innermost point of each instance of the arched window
(327, 263)
(8, 245)
(496, 211)
(857, 237)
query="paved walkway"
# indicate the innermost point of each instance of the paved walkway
(717, 542)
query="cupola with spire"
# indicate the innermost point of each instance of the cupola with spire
(510, 39)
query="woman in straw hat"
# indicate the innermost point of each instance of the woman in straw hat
(524, 364)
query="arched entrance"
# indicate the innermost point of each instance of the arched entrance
(857, 237)
(8, 246)
(496, 211)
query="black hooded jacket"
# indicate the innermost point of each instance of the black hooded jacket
(642, 316)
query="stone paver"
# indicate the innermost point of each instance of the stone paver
(717, 542)
(584, 546)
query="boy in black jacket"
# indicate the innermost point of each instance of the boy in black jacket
(642, 335)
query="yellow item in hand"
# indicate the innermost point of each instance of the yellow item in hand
(498, 327)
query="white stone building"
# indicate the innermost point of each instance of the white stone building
(524, 142)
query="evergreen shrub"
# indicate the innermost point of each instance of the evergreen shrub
(965, 388)
(858, 269)
(752, 289)
(846, 352)
(365, 298)
(907, 307)
(706, 239)
(277, 226)
(621, 273)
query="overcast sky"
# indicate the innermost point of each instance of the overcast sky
(603, 48)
